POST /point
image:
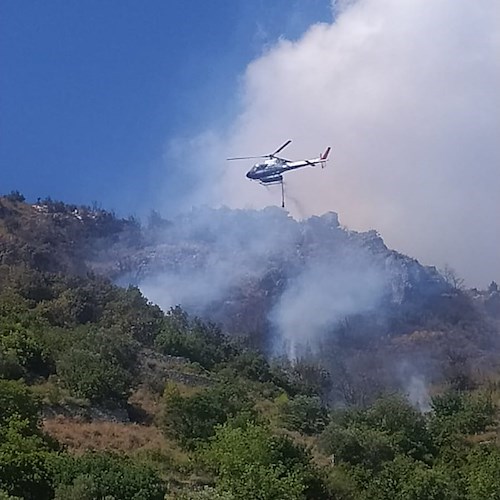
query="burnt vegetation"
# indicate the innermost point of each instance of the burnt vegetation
(104, 395)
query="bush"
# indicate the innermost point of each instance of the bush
(483, 473)
(107, 475)
(193, 418)
(200, 342)
(357, 445)
(373, 435)
(88, 375)
(458, 413)
(406, 426)
(25, 462)
(252, 463)
(24, 451)
(17, 401)
(15, 197)
(305, 414)
(22, 354)
(407, 479)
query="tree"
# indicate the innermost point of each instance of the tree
(456, 413)
(303, 413)
(252, 463)
(106, 476)
(407, 479)
(451, 277)
(91, 376)
(483, 473)
(24, 450)
(357, 444)
(193, 418)
(17, 401)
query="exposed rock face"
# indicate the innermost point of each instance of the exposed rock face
(261, 270)
(253, 244)
(253, 271)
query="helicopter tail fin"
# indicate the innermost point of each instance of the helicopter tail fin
(324, 157)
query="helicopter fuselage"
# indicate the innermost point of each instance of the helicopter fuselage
(271, 170)
(268, 171)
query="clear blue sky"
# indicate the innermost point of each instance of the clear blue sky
(92, 90)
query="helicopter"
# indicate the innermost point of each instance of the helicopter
(271, 170)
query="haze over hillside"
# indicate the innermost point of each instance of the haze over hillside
(205, 343)
(308, 289)
(407, 95)
(320, 328)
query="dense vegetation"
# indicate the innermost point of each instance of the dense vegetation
(77, 351)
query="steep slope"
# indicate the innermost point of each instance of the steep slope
(56, 237)
(300, 288)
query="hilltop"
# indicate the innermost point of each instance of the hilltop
(288, 287)
(103, 393)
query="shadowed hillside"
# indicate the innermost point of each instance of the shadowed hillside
(105, 395)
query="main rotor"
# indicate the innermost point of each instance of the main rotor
(270, 156)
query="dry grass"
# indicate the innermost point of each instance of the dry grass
(81, 436)
(144, 399)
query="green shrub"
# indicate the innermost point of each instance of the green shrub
(460, 413)
(193, 418)
(357, 444)
(16, 400)
(482, 473)
(25, 452)
(88, 375)
(305, 414)
(252, 463)
(200, 342)
(107, 475)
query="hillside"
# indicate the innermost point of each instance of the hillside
(104, 394)
(288, 287)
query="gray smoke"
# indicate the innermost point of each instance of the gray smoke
(216, 250)
(317, 273)
(407, 94)
(324, 293)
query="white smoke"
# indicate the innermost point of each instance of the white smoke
(322, 295)
(407, 93)
(418, 393)
(321, 274)
(215, 250)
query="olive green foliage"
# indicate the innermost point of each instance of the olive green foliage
(205, 493)
(457, 413)
(251, 462)
(21, 352)
(89, 375)
(248, 364)
(17, 402)
(389, 450)
(375, 435)
(6, 496)
(85, 330)
(482, 473)
(24, 450)
(201, 342)
(407, 479)
(192, 419)
(93, 340)
(100, 475)
(303, 413)
(32, 466)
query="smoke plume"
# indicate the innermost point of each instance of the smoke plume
(305, 277)
(407, 94)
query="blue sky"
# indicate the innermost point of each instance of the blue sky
(92, 91)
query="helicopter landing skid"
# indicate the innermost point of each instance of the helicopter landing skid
(282, 189)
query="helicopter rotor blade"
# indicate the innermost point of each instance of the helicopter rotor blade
(246, 157)
(281, 148)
